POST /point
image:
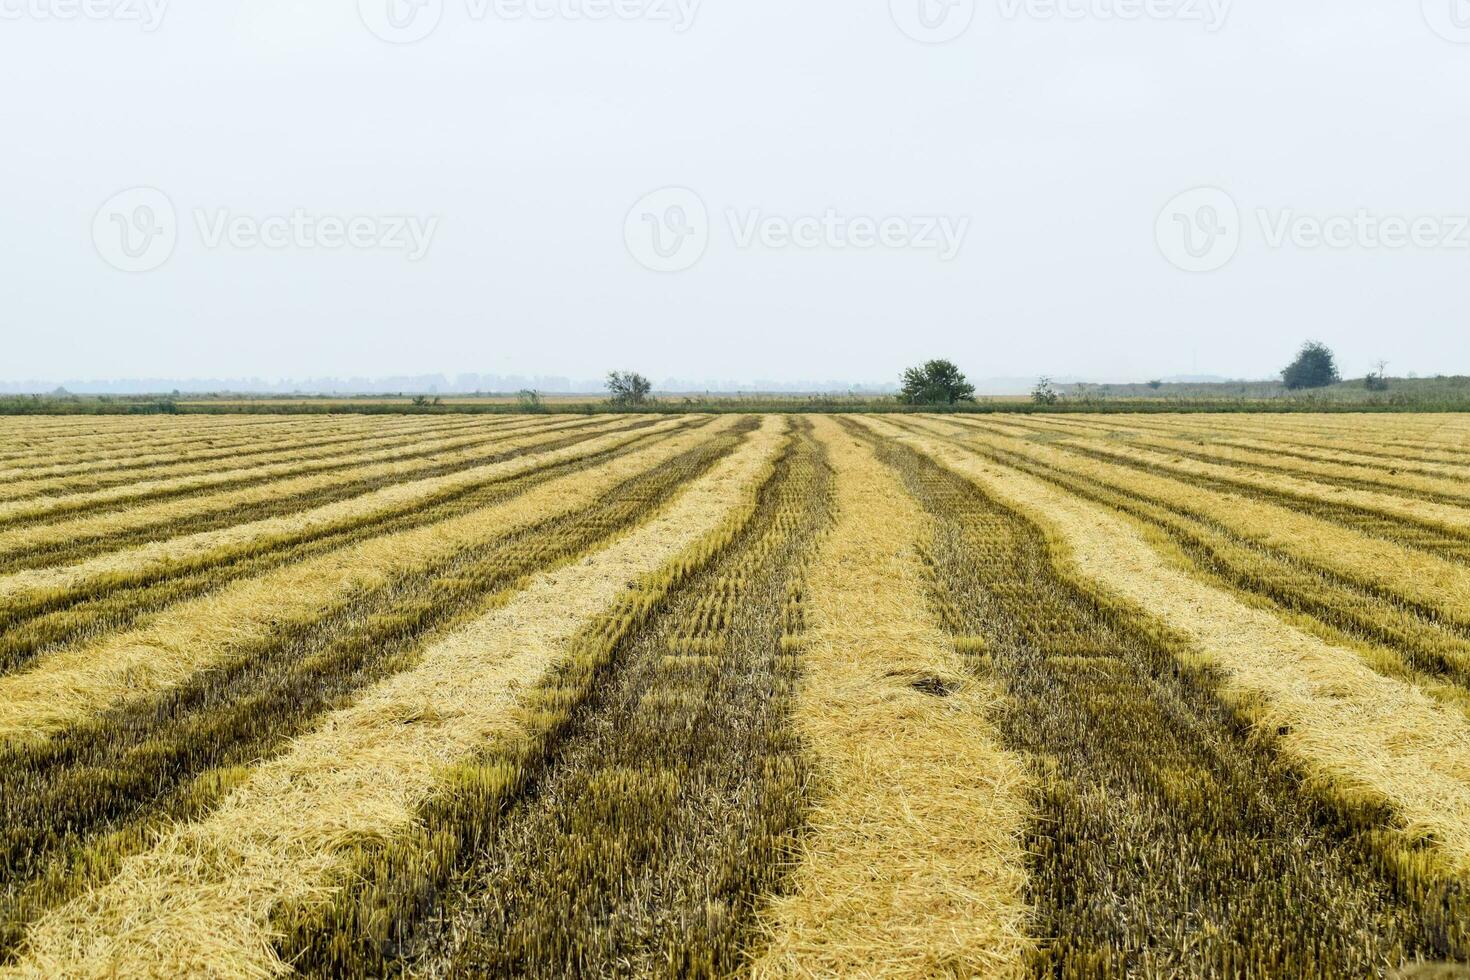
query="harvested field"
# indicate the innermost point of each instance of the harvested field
(634, 696)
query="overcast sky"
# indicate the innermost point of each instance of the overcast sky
(857, 184)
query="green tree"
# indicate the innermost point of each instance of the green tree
(628, 387)
(935, 383)
(1045, 393)
(1314, 367)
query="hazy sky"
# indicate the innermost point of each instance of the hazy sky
(325, 201)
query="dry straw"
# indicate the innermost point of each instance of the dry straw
(1365, 437)
(95, 438)
(1400, 478)
(199, 903)
(1446, 432)
(34, 583)
(74, 684)
(915, 863)
(1367, 738)
(359, 464)
(127, 454)
(122, 449)
(1446, 515)
(1412, 573)
(68, 488)
(146, 514)
(1347, 603)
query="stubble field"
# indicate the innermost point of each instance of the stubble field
(551, 696)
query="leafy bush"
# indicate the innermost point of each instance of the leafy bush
(936, 383)
(1314, 367)
(628, 388)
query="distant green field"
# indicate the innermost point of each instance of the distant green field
(1353, 392)
(1441, 394)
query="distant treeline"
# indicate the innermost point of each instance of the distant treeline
(1395, 401)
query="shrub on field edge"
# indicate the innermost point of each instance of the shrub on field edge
(1377, 380)
(937, 382)
(1315, 367)
(628, 388)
